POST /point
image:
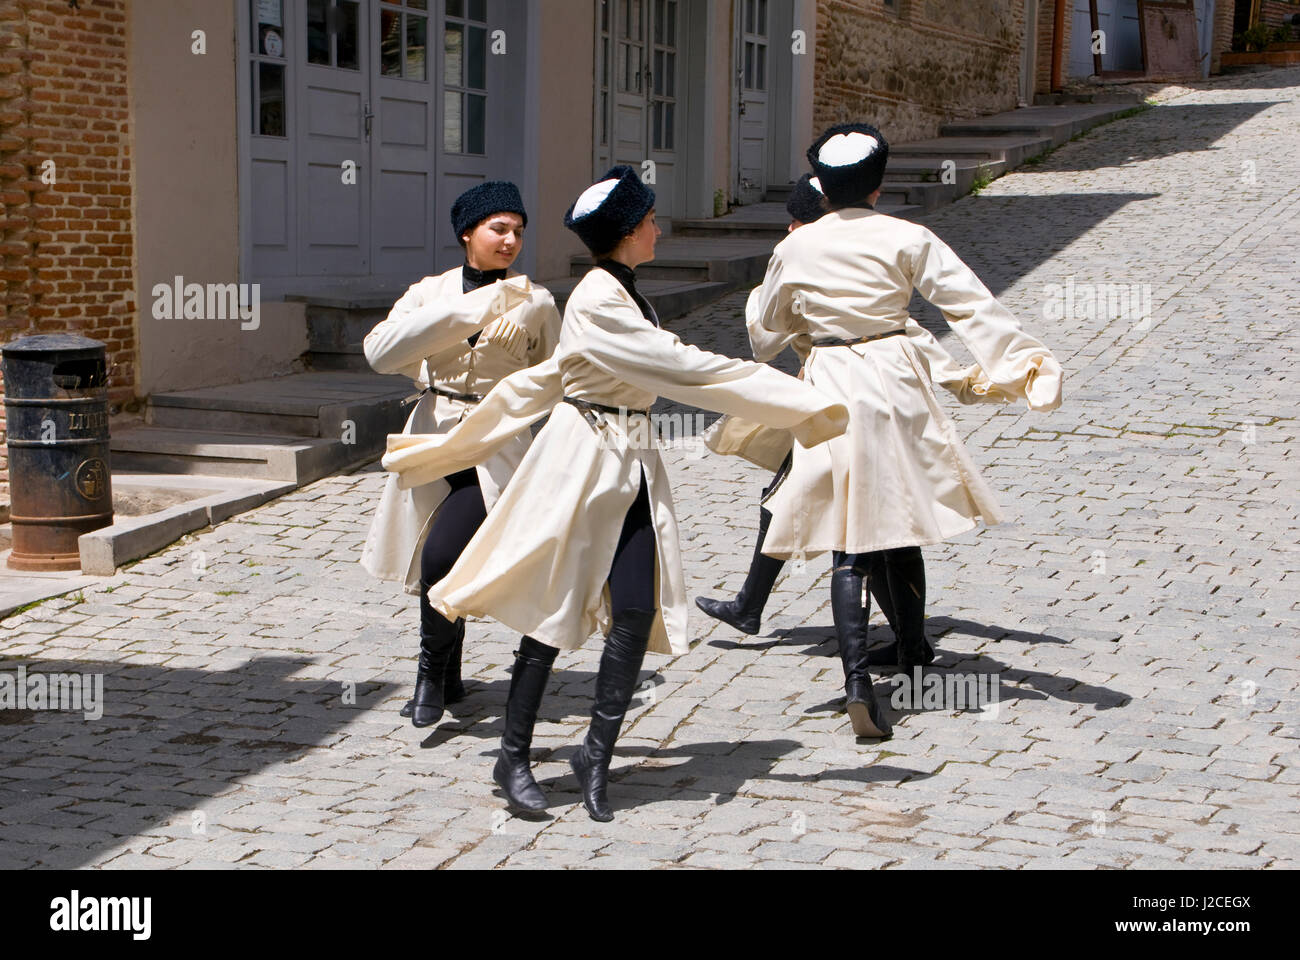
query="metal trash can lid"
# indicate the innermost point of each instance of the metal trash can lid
(50, 342)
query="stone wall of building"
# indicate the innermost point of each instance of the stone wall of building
(1276, 12)
(911, 65)
(65, 182)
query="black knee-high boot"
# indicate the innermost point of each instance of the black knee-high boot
(453, 690)
(513, 773)
(437, 640)
(745, 613)
(904, 570)
(851, 630)
(620, 662)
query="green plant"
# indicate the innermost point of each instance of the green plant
(1253, 39)
(982, 179)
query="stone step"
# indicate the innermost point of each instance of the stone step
(670, 299)
(315, 404)
(296, 460)
(1011, 150)
(730, 260)
(1056, 123)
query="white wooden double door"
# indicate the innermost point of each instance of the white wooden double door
(368, 118)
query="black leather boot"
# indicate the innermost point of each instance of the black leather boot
(851, 630)
(745, 613)
(453, 690)
(512, 772)
(620, 663)
(435, 648)
(903, 579)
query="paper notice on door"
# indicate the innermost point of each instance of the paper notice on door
(270, 13)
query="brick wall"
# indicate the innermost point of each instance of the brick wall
(66, 246)
(909, 72)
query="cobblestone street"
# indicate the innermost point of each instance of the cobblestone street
(1138, 612)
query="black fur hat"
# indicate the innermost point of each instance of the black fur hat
(849, 159)
(610, 212)
(807, 203)
(478, 203)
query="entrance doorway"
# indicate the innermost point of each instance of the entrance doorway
(640, 58)
(364, 120)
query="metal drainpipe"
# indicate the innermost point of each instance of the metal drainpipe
(1058, 40)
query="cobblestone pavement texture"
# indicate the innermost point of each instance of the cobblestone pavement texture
(1139, 615)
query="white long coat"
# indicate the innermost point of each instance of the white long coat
(899, 476)
(426, 337)
(540, 561)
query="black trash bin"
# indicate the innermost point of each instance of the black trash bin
(56, 409)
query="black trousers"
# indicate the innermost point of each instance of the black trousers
(459, 518)
(631, 575)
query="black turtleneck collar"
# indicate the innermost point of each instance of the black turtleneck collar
(626, 276)
(472, 279)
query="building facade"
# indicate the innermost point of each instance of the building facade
(308, 146)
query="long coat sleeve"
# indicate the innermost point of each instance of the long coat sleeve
(426, 337)
(899, 476)
(540, 561)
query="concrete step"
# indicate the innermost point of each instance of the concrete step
(764, 221)
(1011, 150)
(316, 404)
(670, 299)
(296, 460)
(1055, 123)
(337, 327)
(731, 260)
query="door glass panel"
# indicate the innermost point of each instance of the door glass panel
(318, 35)
(760, 69)
(475, 124)
(761, 28)
(453, 55)
(390, 43)
(455, 8)
(418, 4)
(269, 81)
(453, 123)
(416, 30)
(476, 58)
(478, 10)
(749, 66)
(348, 48)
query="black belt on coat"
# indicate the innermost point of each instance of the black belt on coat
(833, 342)
(452, 395)
(589, 409)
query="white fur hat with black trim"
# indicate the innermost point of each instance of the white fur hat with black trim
(849, 159)
(610, 209)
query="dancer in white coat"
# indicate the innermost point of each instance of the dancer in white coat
(585, 537)
(899, 478)
(456, 334)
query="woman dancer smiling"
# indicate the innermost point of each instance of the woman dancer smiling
(458, 334)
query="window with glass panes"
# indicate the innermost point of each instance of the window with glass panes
(755, 58)
(270, 50)
(663, 97)
(403, 39)
(465, 53)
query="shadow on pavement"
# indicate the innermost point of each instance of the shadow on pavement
(168, 740)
